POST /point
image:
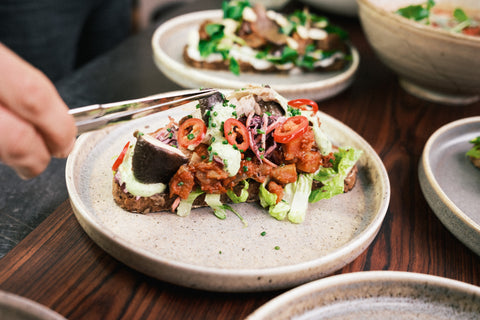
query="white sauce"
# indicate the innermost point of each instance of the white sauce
(134, 186)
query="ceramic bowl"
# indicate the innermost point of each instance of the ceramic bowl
(14, 307)
(375, 295)
(450, 182)
(343, 7)
(431, 63)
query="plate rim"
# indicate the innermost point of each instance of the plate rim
(359, 277)
(426, 169)
(342, 81)
(94, 229)
(28, 306)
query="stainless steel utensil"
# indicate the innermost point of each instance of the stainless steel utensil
(98, 116)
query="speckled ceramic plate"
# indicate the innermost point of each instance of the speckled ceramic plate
(13, 307)
(450, 182)
(376, 295)
(170, 38)
(201, 251)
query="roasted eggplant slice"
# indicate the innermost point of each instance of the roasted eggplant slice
(154, 161)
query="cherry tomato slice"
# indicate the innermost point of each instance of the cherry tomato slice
(191, 132)
(303, 103)
(293, 127)
(471, 31)
(120, 158)
(236, 134)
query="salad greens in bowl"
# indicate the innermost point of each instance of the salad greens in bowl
(431, 45)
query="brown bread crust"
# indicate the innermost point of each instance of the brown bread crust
(475, 161)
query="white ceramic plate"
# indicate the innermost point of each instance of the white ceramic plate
(376, 295)
(170, 38)
(450, 182)
(13, 307)
(201, 251)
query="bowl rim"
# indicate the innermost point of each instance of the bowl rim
(428, 170)
(416, 26)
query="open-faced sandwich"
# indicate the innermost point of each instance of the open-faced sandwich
(474, 152)
(242, 146)
(252, 39)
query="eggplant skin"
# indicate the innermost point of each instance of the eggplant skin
(154, 161)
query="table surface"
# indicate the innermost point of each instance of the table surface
(50, 259)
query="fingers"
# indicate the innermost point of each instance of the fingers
(29, 95)
(21, 146)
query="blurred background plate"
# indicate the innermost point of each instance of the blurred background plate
(14, 307)
(450, 182)
(170, 38)
(375, 295)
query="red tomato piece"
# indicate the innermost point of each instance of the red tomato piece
(191, 132)
(293, 127)
(120, 158)
(303, 104)
(471, 31)
(236, 134)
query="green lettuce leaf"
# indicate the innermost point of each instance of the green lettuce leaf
(299, 204)
(243, 194)
(267, 198)
(333, 178)
(475, 151)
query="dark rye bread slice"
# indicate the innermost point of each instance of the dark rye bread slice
(162, 201)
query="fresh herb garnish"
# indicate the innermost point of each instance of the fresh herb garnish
(463, 20)
(234, 9)
(417, 12)
(234, 66)
(475, 151)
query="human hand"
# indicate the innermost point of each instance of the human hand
(34, 121)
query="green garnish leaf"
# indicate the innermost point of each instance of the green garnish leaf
(337, 30)
(460, 15)
(475, 151)
(234, 9)
(214, 30)
(206, 47)
(417, 12)
(234, 66)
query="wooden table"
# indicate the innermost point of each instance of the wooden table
(59, 266)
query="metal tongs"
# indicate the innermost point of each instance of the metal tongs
(99, 116)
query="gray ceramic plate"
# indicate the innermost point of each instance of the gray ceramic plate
(201, 251)
(170, 38)
(13, 307)
(376, 295)
(450, 182)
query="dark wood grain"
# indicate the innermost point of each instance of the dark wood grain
(60, 267)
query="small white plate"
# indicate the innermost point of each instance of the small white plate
(170, 38)
(375, 295)
(202, 251)
(13, 307)
(450, 182)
